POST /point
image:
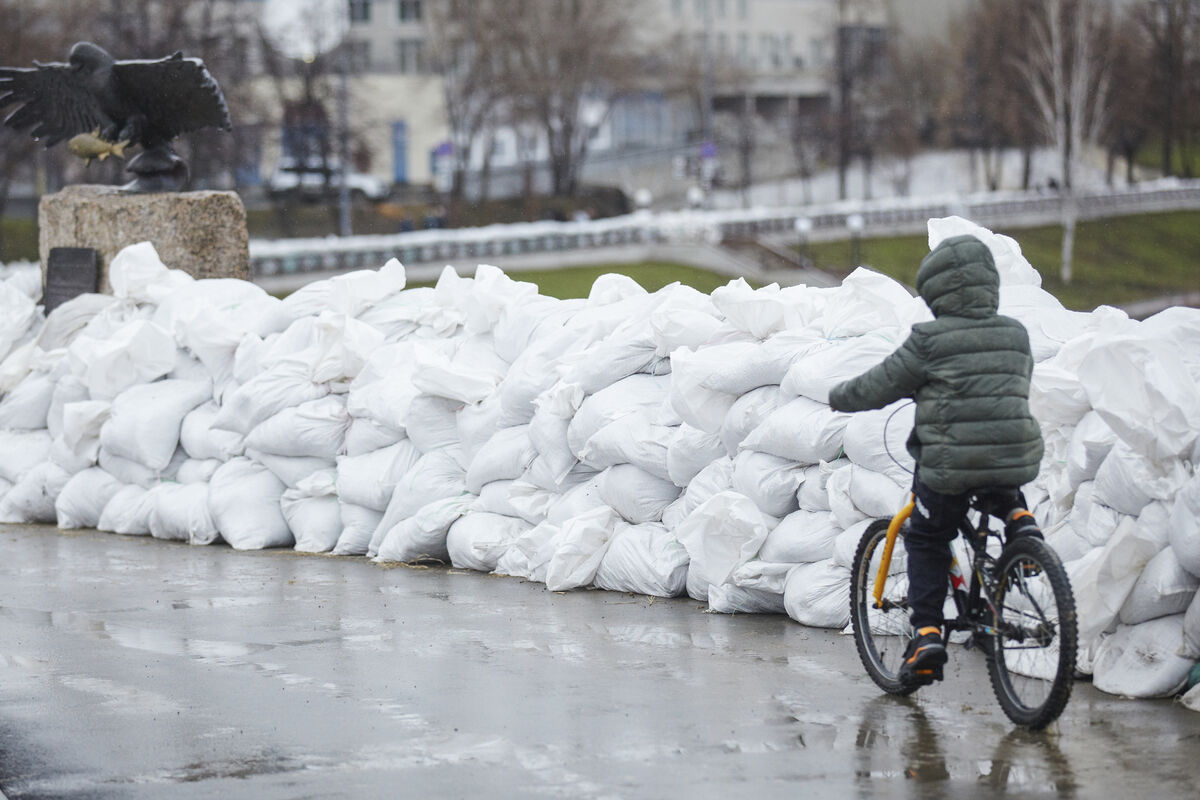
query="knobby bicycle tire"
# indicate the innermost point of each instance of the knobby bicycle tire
(1048, 664)
(877, 649)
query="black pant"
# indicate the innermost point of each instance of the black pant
(932, 526)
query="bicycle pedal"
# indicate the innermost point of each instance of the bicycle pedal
(924, 677)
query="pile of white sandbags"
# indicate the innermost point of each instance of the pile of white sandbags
(660, 443)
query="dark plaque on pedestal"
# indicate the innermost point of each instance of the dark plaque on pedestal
(70, 272)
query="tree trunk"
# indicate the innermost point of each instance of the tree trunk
(1070, 213)
(1026, 165)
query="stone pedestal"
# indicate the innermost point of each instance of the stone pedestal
(201, 233)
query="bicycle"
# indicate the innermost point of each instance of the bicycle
(1017, 608)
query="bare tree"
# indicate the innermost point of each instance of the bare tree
(1172, 36)
(1068, 78)
(567, 61)
(858, 64)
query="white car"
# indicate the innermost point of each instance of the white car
(310, 182)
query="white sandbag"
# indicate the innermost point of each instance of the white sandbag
(360, 525)
(1144, 392)
(436, 475)
(696, 404)
(1191, 631)
(1091, 520)
(477, 423)
(635, 494)
(27, 406)
(136, 353)
(612, 359)
(723, 533)
(432, 422)
(845, 545)
(802, 430)
(523, 557)
(1091, 442)
(83, 498)
(627, 396)
(689, 451)
(82, 422)
(477, 540)
(68, 389)
(818, 595)
(244, 502)
(292, 470)
(1056, 395)
(1127, 480)
(715, 478)
(505, 456)
(1164, 588)
(316, 429)
(676, 328)
(285, 385)
(494, 499)
(422, 537)
(631, 439)
(825, 363)
(201, 440)
(146, 420)
(462, 378)
(370, 479)
(180, 512)
(876, 440)
(18, 312)
(730, 599)
(814, 492)
(197, 470)
(350, 293)
(531, 502)
(32, 499)
(646, 559)
(22, 451)
(1185, 525)
(769, 481)
(315, 521)
(874, 494)
(801, 537)
(867, 301)
(1014, 268)
(137, 273)
(759, 312)
(365, 435)
(1102, 583)
(1142, 660)
(579, 549)
(746, 414)
(840, 502)
(763, 576)
(128, 512)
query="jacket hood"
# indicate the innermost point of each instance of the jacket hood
(959, 279)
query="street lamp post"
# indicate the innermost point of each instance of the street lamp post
(856, 224)
(803, 227)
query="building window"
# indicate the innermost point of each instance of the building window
(360, 10)
(410, 10)
(360, 55)
(721, 9)
(410, 56)
(743, 9)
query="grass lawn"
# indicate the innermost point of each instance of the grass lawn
(18, 240)
(1117, 261)
(577, 281)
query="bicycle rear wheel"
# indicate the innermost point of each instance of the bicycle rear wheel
(881, 634)
(1033, 650)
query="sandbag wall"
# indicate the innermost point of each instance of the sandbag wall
(661, 443)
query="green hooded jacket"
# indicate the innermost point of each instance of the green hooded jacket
(969, 372)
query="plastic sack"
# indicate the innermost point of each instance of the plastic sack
(801, 430)
(723, 533)
(814, 492)
(370, 479)
(730, 599)
(627, 396)
(505, 456)
(635, 494)
(68, 389)
(769, 481)
(477, 540)
(746, 414)
(316, 429)
(32, 499)
(877, 440)
(285, 385)
(422, 537)
(1163, 589)
(690, 451)
(818, 595)
(1142, 660)
(1014, 268)
(715, 478)
(579, 548)
(365, 435)
(244, 502)
(22, 451)
(315, 521)
(27, 406)
(865, 302)
(632, 439)
(137, 352)
(1091, 442)
(646, 559)
(1191, 631)
(201, 440)
(83, 498)
(1127, 480)
(435, 476)
(128, 512)
(432, 422)
(802, 537)
(1185, 525)
(146, 420)
(197, 470)
(180, 512)
(824, 364)
(360, 527)
(290, 469)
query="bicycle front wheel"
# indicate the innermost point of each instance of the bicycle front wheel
(881, 634)
(1033, 648)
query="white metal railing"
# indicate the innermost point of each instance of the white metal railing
(826, 221)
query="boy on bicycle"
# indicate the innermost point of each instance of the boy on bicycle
(969, 372)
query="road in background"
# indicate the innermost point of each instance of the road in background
(134, 668)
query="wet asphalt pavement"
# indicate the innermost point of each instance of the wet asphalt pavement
(134, 668)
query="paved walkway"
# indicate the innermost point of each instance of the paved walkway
(133, 668)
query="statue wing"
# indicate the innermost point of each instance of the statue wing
(55, 104)
(175, 94)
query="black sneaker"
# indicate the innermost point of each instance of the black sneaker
(924, 658)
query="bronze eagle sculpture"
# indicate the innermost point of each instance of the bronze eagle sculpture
(139, 102)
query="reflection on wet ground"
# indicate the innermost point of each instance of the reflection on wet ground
(131, 668)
